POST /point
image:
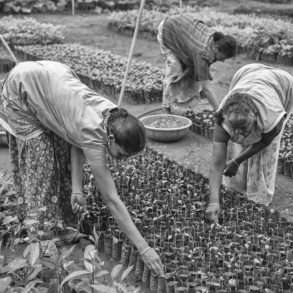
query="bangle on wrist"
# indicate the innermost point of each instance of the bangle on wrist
(76, 193)
(235, 162)
(145, 250)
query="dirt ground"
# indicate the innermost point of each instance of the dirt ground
(193, 151)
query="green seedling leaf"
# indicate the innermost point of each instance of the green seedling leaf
(9, 219)
(17, 264)
(126, 273)
(30, 222)
(74, 275)
(32, 252)
(89, 256)
(68, 264)
(38, 268)
(67, 253)
(31, 285)
(116, 271)
(90, 252)
(4, 283)
(96, 235)
(101, 274)
(48, 264)
(88, 265)
(103, 288)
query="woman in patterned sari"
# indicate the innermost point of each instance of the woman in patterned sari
(250, 118)
(55, 121)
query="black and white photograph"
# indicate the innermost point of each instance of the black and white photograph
(146, 146)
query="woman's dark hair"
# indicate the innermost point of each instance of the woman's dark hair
(128, 131)
(226, 44)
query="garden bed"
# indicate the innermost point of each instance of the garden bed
(251, 251)
(262, 38)
(28, 31)
(102, 70)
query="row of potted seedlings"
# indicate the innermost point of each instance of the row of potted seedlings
(28, 31)
(102, 70)
(203, 124)
(262, 38)
(25, 31)
(250, 251)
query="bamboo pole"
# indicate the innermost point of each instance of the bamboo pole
(8, 49)
(131, 52)
(73, 7)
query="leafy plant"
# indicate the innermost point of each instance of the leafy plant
(94, 277)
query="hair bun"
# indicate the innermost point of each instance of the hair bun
(123, 112)
(218, 36)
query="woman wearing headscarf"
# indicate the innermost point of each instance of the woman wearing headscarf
(189, 48)
(249, 124)
(55, 121)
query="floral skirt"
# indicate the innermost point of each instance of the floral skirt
(42, 177)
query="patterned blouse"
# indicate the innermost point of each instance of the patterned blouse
(189, 40)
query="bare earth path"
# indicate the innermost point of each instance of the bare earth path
(194, 151)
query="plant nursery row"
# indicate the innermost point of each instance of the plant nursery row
(263, 38)
(250, 251)
(28, 31)
(45, 6)
(102, 70)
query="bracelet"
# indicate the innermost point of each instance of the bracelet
(76, 193)
(145, 250)
(235, 162)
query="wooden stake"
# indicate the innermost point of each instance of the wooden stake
(8, 49)
(73, 7)
(131, 52)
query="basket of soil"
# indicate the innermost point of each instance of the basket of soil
(166, 127)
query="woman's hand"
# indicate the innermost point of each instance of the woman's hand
(213, 211)
(153, 261)
(231, 168)
(78, 202)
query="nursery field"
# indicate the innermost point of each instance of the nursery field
(165, 189)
